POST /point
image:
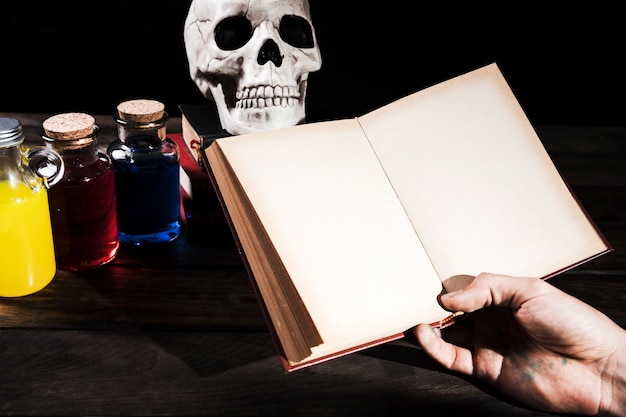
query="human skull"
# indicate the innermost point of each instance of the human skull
(253, 58)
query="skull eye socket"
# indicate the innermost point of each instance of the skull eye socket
(233, 33)
(296, 31)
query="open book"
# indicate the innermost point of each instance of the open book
(352, 228)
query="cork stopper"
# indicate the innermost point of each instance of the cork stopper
(141, 111)
(69, 126)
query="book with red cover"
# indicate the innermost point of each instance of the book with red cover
(202, 211)
(200, 125)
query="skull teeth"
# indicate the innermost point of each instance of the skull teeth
(266, 96)
(262, 103)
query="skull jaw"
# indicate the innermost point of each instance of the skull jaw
(239, 120)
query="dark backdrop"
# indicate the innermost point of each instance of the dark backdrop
(566, 65)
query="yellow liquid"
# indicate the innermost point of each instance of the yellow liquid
(27, 262)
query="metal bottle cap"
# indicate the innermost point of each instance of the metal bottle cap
(11, 133)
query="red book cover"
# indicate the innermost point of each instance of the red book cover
(202, 210)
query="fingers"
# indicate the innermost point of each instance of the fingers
(486, 290)
(494, 290)
(450, 356)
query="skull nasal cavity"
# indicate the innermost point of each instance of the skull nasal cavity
(270, 52)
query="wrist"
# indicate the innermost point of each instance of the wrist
(614, 399)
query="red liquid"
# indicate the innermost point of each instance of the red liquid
(84, 218)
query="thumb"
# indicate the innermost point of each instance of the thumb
(493, 290)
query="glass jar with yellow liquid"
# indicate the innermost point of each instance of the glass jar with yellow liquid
(27, 262)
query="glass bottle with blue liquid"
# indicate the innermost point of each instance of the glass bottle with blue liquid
(146, 164)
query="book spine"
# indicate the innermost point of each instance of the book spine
(203, 213)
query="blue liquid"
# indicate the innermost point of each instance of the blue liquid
(147, 184)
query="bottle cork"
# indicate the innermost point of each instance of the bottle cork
(69, 126)
(141, 110)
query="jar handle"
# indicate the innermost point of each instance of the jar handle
(47, 164)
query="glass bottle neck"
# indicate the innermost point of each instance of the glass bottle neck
(76, 152)
(128, 129)
(84, 151)
(13, 167)
(10, 160)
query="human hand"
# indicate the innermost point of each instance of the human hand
(535, 343)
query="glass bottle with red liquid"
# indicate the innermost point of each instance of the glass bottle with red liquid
(82, 206)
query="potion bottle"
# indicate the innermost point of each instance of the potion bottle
(147, 175)
(82, 205)
(27, 261)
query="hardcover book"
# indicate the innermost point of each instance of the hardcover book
(200, 125)
(202, 212)
(351, 228)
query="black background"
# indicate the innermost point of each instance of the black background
(565, 64)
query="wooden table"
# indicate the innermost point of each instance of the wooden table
(176, 329)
